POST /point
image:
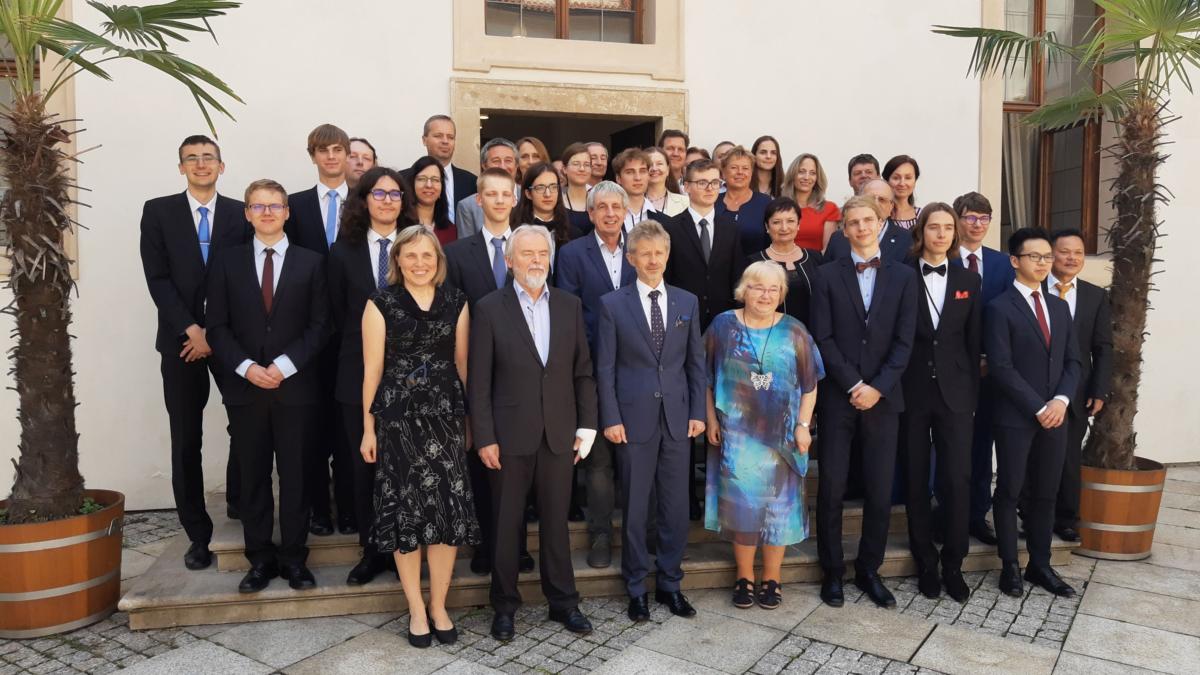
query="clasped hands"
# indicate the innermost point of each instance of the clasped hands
(264, 378)
(864, 397)
(1053, 414)
(195, 347)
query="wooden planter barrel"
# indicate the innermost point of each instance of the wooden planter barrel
(1118, 510)
(62, 574)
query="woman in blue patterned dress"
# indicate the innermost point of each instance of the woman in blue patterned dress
(763, 369)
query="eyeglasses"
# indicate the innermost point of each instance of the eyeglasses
(763, 290)
(543, 190)
(206, 158)
(1037, 257)
(379, 195)
(707, 184)
(258, 209)
(427, 180)
(885, 200)
(971, 220)
(580, 165)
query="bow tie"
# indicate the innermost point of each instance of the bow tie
(927, 269)
(862, 266)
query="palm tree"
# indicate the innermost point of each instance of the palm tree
(36, 211)
(1159, 38)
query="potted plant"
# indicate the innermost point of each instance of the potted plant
(1121, 493)
(60, 544)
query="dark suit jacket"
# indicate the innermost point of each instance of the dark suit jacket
(1024, 372)
(951, 351)
(468, 268)
(515, 401)
(240, 328)
(895, 245)
(304, 227)
(580, 270)
(712, 282)
(856, 345)
(636, 386)
(350, 286)
(998, 273)
(1093, 328)
(174, 268)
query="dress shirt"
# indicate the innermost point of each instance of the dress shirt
(323, 196)
(866, 278)
(448, 187)
(644, 293)
(612, 259)
(1070, 297)
(634, 217)
(537, 318)
(373, 238)
(1027, 293)
(283, 362)
(963, 252)
(697, 216)
(487, 240)
(935, 290)
(212, 210)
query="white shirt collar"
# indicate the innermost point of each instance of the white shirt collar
(488, 236)
(280, 247)
(696, 216)
(373, 237)
(963, 252)
(1052, 282)
(604, 247)
(1025, 290)
(343, 190)
(858, 258)
(926, 262)
(644, 290)
(195, 203)
(524, 296)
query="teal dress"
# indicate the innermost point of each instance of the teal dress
(754, 493)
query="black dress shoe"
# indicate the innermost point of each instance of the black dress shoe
(983, 532)
(258, 578)
(676, 602)
(956, 586)
(1048, 579)
(639, 608)
(831, 592)
(929, 584)
(1010, 580)
(446, 637)
(1067, 533)
(872, 585)
(502, 627)
(232, 512)
(525, 562)
(573, 619)
(531, 513)
(575, 515)
(298, 577)
(480, 564)
(366, 570)
(321, 526)
(347, 526)
(198, 556)
(419, 641)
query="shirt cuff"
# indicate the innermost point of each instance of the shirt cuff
(1066, 401)
(587, 438)
(243, 367)
(856, 386)
(285, 365)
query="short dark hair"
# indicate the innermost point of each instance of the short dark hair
(325, 136)
(199, 139)
(699, 151)
(972, 201)
(366, 143)
(1066, 232)
(673, 133)
(441, 207)
(436, 118)
(864, 158)
(629, 155)
(698, 166)
(1017, 241)
(780, 204)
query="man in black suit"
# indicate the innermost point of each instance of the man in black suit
(533, 414)
(864, 317)
(940, 386)
(895, 242)
(1033, 361)
(268, 319)
(179, 235)
(316, 213)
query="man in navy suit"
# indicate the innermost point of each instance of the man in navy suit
(895, 242)
(439, 136)
(864, 317)
(590, 267)
(180, 233)
(651, 386)
(1033, 361)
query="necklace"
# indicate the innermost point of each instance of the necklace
(782, 253)
(758, 379)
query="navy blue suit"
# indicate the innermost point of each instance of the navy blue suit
(895, 245)
(653, 395)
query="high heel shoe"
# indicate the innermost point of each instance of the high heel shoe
(446, 637)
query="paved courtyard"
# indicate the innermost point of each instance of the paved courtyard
(1129, 618)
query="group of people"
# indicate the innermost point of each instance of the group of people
(432, 356)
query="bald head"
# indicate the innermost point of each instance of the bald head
(879, 189)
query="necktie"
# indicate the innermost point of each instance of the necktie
(268, 279)
(658, 332)
(927, 269)
(499, 269)
(1041, 317)
(331, 218)
(381, 267)
(705, 239)
(1063, 289)
(204, 233)
(862, 266)
(973, 263)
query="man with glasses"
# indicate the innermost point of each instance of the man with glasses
(362, 158)
(179, 235)
(895, 242)
(498, 153)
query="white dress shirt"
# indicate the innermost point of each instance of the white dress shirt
(963, 252)
(935, 290)
(212, 210)
(634, 217)
(697, 216)
(448, 187)
(1027, 293)
(612, 259)
(1070, 297)
(283, 362)
(866, 278)
(644, 293)
(323, 196)
(487, 240)
(373, 238)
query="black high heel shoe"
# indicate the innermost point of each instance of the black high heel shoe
(446, 637)
(420, 641)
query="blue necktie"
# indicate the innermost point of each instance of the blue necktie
(381, 269)
(499, 269)
(204, 233)
(331, 218)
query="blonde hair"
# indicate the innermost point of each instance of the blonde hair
(817, 198)
(407, 236)
(763, 270)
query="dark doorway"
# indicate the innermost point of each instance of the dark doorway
(559, 130)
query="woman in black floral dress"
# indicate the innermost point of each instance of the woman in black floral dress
(414, 426)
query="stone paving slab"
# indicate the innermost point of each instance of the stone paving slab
(1177, 615)
(1169, 555)
(637, 661)
(375, 651)
(1186, 473)
(1181, 486)
(1134, 645)
(466, 668)
(1070, 663)
(873, 630)
(1148, 577)
(951, 649)
(282, 643)
(199, 658)
(713, 640)
(1175, 500)
(1177, 535)
(1169, 516)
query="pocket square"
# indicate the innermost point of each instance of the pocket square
(962, 295)
(681, 320)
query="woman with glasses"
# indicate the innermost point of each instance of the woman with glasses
(530, 151)
(741, 202)
(663, 194)
(763, 369)
(577, 164)
(431, 208)
(768, 177)
(799, 264)
(806, 183)
(902, 172)
(541, 204)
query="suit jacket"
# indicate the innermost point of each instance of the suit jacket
(712, 282)
(581, 271)
(304, 226)
(856, 345)
(469, 269)
(948, 354)
(1023, 371)
(174, 268)
(350, 287)
(240, 327)
(1093, 328)
(637, 387)
(895, 245)
(998, 273)
(515, 401)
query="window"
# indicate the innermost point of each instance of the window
(1050, 178)
(594, 20)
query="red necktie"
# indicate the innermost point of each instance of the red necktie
(973, 263)
(268, 279)
(1041, 317)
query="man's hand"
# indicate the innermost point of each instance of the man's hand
(614, 434)
(983, 370)
(714, 431)
(261, 378)
(695, 428)
(490, 456)
(865, 397)
(803, 439)
(1053, 415)
(367, 447)
(275, 373)
(579, 442)
(1094, 406)
(195, 347)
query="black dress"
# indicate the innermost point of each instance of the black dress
(800, 279)
(422, 494)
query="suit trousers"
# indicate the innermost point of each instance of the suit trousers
(363, 474)
(600, 485)
(330, 450)
(981, 455)
(185, 392)
(263, 431)
(925, 424)
(549, 475)
(1035, 455)
(879, 431)
(1067, 504)
(654, 478)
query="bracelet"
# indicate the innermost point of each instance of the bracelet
(803, 424)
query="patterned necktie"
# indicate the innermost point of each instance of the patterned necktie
(973, 263)
(331, 217)
(381, 267)
(705, 239)
(1063, 289)
(268, 279)
(1041, 317)
(499, 269)
(204, 233)
(658, 332)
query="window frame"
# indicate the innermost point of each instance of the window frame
(562, 21)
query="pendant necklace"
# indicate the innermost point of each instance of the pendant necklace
(758, 379)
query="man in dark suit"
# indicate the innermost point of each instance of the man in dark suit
(533, 414)
(940, 387)
(268, 318)
(1033, 360)
(589, 268)
(895, 242)
(439, 136)
(864, 318)
(651, 384)
(498, 153)
(180, 234)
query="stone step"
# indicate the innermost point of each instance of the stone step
(168, 595)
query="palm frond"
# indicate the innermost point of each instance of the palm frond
(1085, 105)
(1003, 51)
(1157, 34)
(154, 25)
